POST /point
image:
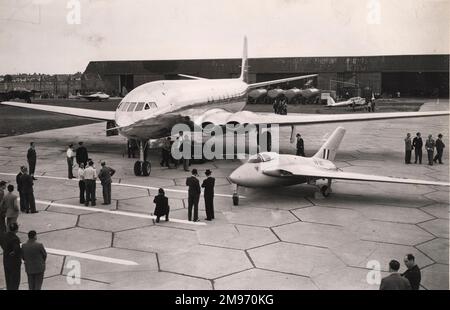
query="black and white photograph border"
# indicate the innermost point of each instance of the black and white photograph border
(332, 198)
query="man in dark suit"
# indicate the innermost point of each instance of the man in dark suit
(208, 194)
(394, 281)
(439, 149)
(31, 157)
(19, 189)
(417, 146)
(413, 273)
(193, 195)
(34, 256)
(81, 154)
(105, 175)
(300, 146)
(28, 194)
(12, 257)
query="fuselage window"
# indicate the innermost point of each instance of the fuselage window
(140, 106)
(131, 107)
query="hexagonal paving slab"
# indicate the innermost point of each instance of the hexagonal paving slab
(257, 279)
(112, 222)
(393, 214)
(438, 227)
(435, 277)
(259, 217)
(437, 249)
(46, 221)
(74, 201)
(236, 236)
(295, 258)
(438, 210)
(226, 261)
(360, 253)
(156, 239)
(160, 281)
(315, 234)
(61, 283)
(111, 272)
(330, 215)
(76, 239)
(145, 204)
(346, 278)
(399, 233)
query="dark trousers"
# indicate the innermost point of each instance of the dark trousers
(209, 207)
(417, 155)
(106, 193)
(193, 203)
(35, 281)
(301, 152)
(29, 202)
(407, 156)
(430, 156)
(32, 167)
(186, 164)
(82, 186)
(69, 167)
(438, 156)
(90, 192)
(165, 158)
(12, 275)
(2, 224)
(167, 216)
(22, 201)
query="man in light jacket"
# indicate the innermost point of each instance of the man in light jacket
(34, 257)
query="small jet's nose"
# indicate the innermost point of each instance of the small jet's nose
(235, 176)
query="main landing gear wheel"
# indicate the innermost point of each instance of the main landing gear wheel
(235, 199)
(325, 190)
(142, 168)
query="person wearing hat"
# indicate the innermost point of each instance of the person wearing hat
(31, 158)
(162, 205)
(193, 194)
(439, 149)
(82, 154)
(417, 146)
(105, 175)
(69, 156)
(208, 194)
(2, 210)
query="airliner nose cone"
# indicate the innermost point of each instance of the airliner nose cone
(234, 176)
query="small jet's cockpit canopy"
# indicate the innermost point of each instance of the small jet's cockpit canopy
(262, 157)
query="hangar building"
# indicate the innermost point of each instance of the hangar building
(411, 75)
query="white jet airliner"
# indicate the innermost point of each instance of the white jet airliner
(269, 169)
(150, 110)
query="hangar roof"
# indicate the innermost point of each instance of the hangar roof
(220, 67)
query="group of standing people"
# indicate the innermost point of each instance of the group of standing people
(280, 105)
(180, 142)
(416, 144)
(194, 192)
(87, 175)
(409, 280)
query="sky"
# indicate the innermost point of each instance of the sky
(46, 36)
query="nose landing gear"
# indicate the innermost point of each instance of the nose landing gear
(142, 167)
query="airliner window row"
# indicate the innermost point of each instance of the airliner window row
(136, 106)
(223, 97)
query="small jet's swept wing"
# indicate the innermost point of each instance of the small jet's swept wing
(355, 101)
(96, 96)
(86, 113)
(319, 173)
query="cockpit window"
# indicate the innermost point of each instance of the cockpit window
(261, 157)
(131, 107)
(124, 106)
(147, 106)
(140, 106)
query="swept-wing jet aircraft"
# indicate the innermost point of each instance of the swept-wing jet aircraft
(152, 109)
(269, 169)
(352, 102)
(98, 96)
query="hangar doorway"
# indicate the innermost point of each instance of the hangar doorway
(415, 84)
(126, 84)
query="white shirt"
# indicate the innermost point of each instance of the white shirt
(69, 152)
(90, 173)
(81, 173)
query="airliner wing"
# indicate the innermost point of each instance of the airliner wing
(192, 77)
(261, 84)
(86, 113)
(293, 171)
(246, 117)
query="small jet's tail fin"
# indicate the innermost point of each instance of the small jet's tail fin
(244, 64)
(330, 100)
(329, 148)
